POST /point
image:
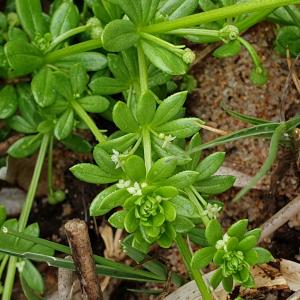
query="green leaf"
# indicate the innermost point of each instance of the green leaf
(184, 207)
(64, 18)
(92, 174)
(94, 104)
(167, 238)
(230, 49)
(169, 211)
(251, 257)
(215, 184)
(123, 118)
(182, 224)
(169, 149)
(178, 8)
(256, 232)
(32, 277)
(103, 204)
(182, 179)
(147, 103)
(247, 243)
(107, 86)
(232, 243)
(79, 78)
(20, 124)
(139, 12)
(216, 278)
(131, 223)
(25, 146)
(105, 163)
(8, 102)
(210, 165)
(255, 131)
(167, 191)
(180, 128)
(288, 37)
(203, 257)
(64, 125)
(2, 214)
(164, 59)
(63, 85)
(42, 86)
(118, 67)
(259, 76)
(161, 169)
(119, 35)
(134, 168)
(28, 292)
(117, 219)
(77, 144)
(31, 17)
(213, 232)
(228, 284)
(23, 57)
(197, 236)
(219, 257)
(169, 108)
(91, 61)
(264, 256)
(121, 143)
(238, 229)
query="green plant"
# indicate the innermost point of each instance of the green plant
(158, 188)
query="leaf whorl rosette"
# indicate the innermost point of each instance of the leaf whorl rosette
(234, 253)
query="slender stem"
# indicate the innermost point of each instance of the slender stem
(50, 171)
(196, 275)
(254, 56)
(196, 193)
(11, 271)
(195, 201)
(9, 280)
(3, 264)
(88, 121)
(143, 70)
(147, 149)
(67, 35)
(74, 49)
(34, 183)
(216, 14)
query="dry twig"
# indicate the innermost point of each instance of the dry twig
(77, 234)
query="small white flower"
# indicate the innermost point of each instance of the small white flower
(135, 190)
(123, 184)
(116, 158)
(212, 211)
(166, 138)
(221, 244)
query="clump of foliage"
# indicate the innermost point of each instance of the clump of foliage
(121, 65)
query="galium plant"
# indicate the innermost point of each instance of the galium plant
(157, 188)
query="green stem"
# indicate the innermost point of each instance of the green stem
(195, 31)
(34, 183)
(216, 14)
(74, 49)
(195, 201)
(147, 149)
(67, 35)
(3, 264)
(278, 132)
(195, 274)
(142, 70)
(9, 281)
(50, 171)
(254, 56)
(88, 121)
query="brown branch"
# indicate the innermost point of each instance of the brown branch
(77, 234)
(280, 218)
